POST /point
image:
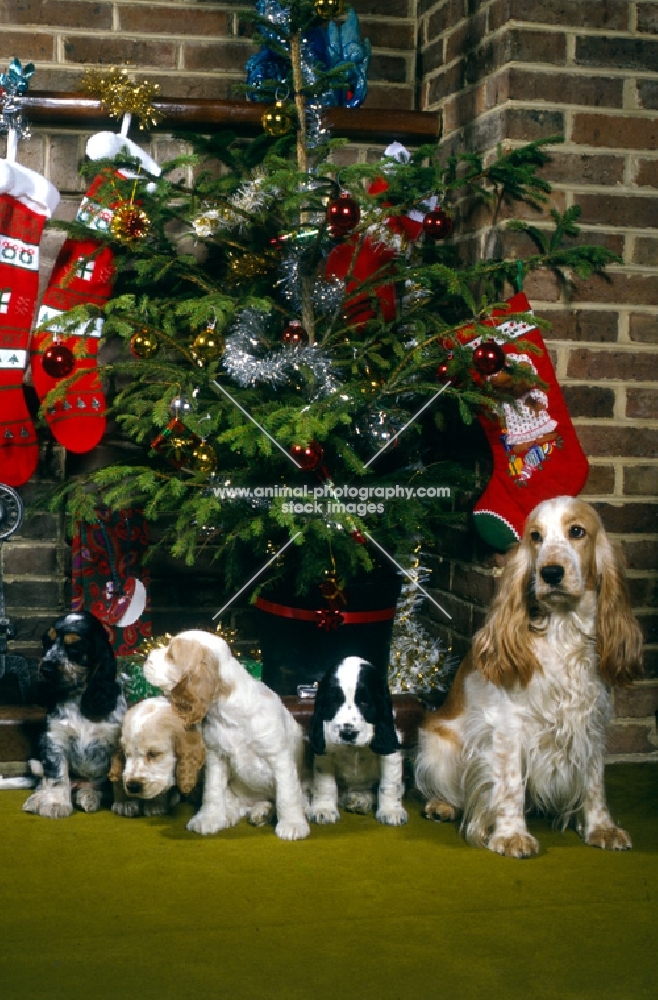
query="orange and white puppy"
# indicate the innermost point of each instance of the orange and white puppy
(158, 757)
(527, 713)
(254, 747)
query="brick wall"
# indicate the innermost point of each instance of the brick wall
(501, 71)
(509, 71)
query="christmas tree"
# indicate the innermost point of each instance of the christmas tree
(300, 345)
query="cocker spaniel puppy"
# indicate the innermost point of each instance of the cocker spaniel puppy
(254, 747)
(526, 716)
(85, 707)
(158, 758)
(355, 745)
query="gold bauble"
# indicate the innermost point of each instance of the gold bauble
(277, 120)
(329, 8)
(144, 344)
(203, 459)
(247, 265)
(208, 345)
(129, 223)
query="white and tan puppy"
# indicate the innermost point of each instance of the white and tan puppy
(254, 747)
(158, 757)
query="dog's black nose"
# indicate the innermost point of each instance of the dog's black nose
(552, 574)
(133, 787)
(348, 734)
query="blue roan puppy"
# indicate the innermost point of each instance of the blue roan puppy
(356, 747)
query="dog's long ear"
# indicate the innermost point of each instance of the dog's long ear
(191, 755)
(117, 766)
(618, 634)
(501, 649)
(100, 696)
(385, 740)
(324, 708)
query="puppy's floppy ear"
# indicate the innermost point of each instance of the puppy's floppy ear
(117, 765)
(618, 634)
(385, 740)
(324, 708)
(501, 649)
(192, 696)
(191, 755)
(100, 696)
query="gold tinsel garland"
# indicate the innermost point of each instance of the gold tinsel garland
(121, 96)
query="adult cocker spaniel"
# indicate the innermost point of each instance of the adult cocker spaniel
(355, 745)
(158, 757)
(527, 713)
(85, 706)
(254, 747)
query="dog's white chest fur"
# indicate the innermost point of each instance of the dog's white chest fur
(90, 744)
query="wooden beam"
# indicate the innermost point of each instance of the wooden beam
(243, 117)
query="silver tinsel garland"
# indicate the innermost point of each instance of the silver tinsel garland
(247, 365)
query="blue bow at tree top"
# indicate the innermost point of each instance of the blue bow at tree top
(13, 84)
(335, 59)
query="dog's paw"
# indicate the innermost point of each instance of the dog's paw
(261, 814)
(52, 806)
(440, 810)
(129, 808)
(609, 838)
(88, 799)
(392, 816)
(207, 821)
(292, 829)
(358, 802)
(515, 845)
(155, 807)
(323, 814)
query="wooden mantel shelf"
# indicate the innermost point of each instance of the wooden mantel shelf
(379, 125)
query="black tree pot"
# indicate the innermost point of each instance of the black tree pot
(301, 639)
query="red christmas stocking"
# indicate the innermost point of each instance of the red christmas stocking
(535, 449)
(27, 200)
(83, 274)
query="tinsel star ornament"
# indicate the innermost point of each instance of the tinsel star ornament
(129, 223)
(144, 344)
(329, 9)
(58, 360)
(488, 358)
(278, 120)
(121, 96)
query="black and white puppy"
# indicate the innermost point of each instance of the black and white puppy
(356, 746)
(85, 707)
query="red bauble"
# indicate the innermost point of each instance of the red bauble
(437, 225)
(58, 361)
(308, 456)
(357, 537)
(488, 358)
(443, 372)
(343, 214)
(294, 334)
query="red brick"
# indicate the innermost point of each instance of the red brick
(446, 82)
(617, 288)
(466, 36)
(581, 324)
(27, 46)
(647, 94)
(641, 480)
(619, 210)
(647, 18)
(612, 16)
(447, 16)
(542, 286)
(640, 555)
(472, 585)
(626, 365)
(643, 328)
(390, 98)
(608, 441)
(629, 518)
(537, 47)
(589, 401)
(390, 69)
(563, 88)
(115, 51)
(622, 53)
(461, 612)
(150, 20)
(528, 125)
(383, 8)
(431, 58)
(600, 480)
(647, 173)
(615, 131)
(388, 36)
(636, 702)
(642, 403)
(645, 251)
(630, 738)
(57, 14)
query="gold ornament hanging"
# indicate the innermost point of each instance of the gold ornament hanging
(204, 459)
(248, 265)
(144, 344)
(278, 119)
(121, 96)
(208, 345)
(329, 8)
(129, 223)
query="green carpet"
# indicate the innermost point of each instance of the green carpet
(105, 907)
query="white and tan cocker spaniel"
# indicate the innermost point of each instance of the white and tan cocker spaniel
(527, 713)
(158, 757)
(254, 747)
